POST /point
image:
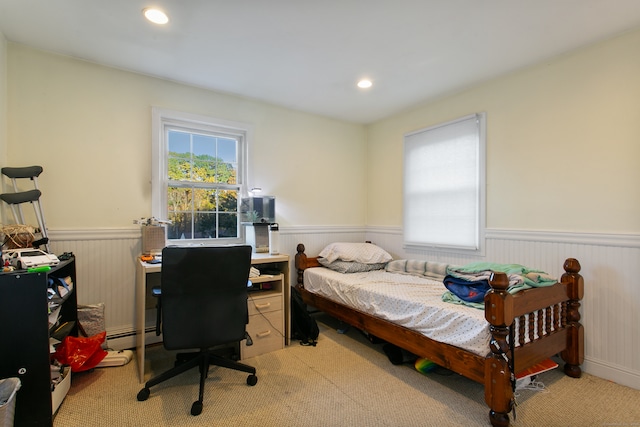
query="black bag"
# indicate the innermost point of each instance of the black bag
(303, 326)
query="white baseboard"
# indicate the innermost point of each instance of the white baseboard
(616, 374)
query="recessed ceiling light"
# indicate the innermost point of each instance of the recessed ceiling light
(156, 16)
(364, 84)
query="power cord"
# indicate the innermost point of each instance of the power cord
(532, 385)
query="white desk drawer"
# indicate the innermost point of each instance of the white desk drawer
(266, 331)
(257, 304)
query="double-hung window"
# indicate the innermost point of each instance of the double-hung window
(444, 186)
(199, 169)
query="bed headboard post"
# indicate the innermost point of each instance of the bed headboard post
(573, 355)
(300, 262)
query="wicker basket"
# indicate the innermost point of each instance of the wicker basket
(18, 236)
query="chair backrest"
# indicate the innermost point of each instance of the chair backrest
(204, 295)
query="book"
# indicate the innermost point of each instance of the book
(538, 368)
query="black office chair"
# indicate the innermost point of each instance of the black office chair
(203, 305)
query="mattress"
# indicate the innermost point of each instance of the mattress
(407, 300)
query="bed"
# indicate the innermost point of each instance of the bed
(521, 329)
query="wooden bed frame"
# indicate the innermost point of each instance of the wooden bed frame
(562, 332)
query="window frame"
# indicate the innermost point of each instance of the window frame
(480, 206)
(163, 118)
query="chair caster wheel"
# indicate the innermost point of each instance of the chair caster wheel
(252, 380)
(196, 408)
(144, 394)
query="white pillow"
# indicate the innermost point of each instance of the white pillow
(351, 266)
(366, 253)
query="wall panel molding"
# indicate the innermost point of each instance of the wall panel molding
(596, 239)
(94, 234)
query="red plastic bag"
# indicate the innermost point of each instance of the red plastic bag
(81, 353)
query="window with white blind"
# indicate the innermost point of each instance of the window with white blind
(444, 186)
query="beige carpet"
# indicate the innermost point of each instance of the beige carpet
(344, 381)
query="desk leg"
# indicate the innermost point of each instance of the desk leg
(141, 287)
(285, 312)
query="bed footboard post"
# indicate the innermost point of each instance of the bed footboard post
(573, 355)
(498, 391)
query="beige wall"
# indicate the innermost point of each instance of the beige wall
(563, 144)
(561, 154)
(89, 126)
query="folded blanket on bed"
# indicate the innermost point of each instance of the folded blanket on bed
(520, 277)
(450, 297)
(467, 284)
(465, 289)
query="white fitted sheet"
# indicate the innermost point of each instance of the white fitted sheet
(410, 301)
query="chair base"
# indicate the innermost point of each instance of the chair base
(203, 359)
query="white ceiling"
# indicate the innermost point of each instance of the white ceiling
(308, 55)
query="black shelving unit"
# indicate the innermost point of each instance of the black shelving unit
(24, 317)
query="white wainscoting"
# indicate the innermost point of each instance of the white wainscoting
(105, 272)
(610, 309)
(105, 268)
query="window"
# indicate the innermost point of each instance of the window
(444, 195)
(199, 170)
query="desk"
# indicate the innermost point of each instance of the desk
(148, 276)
